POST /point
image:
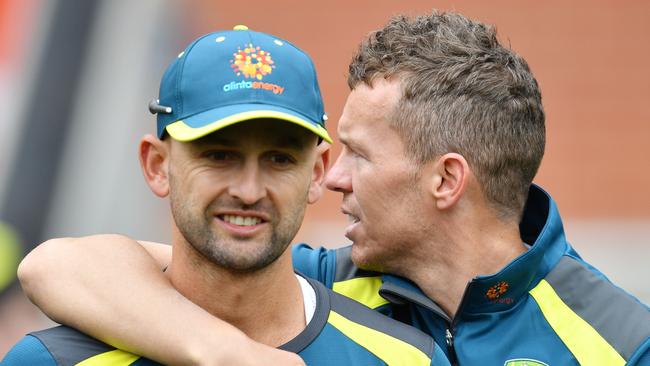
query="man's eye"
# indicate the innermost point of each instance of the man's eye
(351, 152)
(220, 155)
(281, 159)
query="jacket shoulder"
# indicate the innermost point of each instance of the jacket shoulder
(591, 315)
(71, 347)
(29, 351)
(390, 340)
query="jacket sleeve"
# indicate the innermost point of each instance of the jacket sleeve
(318, 263)
(439, 358)
(29, 351)
(642, 356)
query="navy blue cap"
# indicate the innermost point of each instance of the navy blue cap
(227, 77)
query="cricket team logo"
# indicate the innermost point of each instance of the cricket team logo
(252, 62)
(495, 292)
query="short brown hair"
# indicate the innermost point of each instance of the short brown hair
(462, 92)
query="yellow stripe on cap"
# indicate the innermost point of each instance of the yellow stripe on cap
(362, 289)
(584, 342)
(393, 351)
(111, 358)
(180, 131)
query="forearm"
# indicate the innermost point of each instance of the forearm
(110, 288)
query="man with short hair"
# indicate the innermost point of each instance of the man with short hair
(442, 133)
(240, 152)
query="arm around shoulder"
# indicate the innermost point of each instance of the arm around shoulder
(28, 351)
(68, 270)
(110, 287)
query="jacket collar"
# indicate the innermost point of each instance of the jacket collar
(541, 227)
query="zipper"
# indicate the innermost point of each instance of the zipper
(449, 332)
(449, 339)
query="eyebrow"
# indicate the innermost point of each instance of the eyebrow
(343, 139)
(216, 140)
(352, 144)
(291, 142)
(285, 142)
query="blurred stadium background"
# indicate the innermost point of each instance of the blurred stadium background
(76, 76)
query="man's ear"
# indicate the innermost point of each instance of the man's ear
(154, 156)
(321, 166)
(451, 174)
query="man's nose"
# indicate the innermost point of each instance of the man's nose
(248, 187)
(339, 178)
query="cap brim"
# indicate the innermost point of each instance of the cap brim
(202, 124)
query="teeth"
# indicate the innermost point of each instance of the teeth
(241, 220)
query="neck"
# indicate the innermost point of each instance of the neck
(460, 253)
(266, 304)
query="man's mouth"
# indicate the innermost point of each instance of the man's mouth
(353, 219)
(241, 220)
(354, 223)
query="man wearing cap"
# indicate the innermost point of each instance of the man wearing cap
(239, 166)
(442, 133)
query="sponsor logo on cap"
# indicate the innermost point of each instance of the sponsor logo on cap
(252, 62)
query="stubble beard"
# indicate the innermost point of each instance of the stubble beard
(379, 254)
(199, 232)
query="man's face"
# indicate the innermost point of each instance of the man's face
(382, 193)
(238, 196)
